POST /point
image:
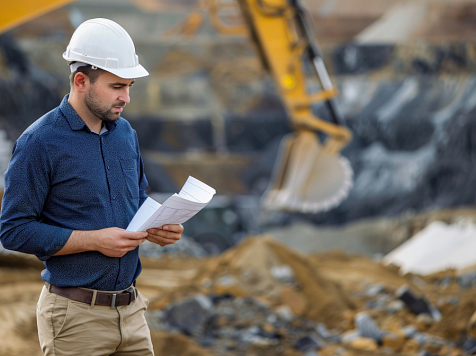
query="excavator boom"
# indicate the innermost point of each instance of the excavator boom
(309, 175)
(15, 13)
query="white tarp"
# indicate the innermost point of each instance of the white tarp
(436, 248)
(397, 25)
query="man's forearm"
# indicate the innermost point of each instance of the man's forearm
(32, 237)
(112, 241)
(79, 241)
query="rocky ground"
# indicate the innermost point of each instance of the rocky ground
(263, 298)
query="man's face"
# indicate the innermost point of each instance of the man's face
(107, 97)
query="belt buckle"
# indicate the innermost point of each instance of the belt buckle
(113, 301)
(130, 291)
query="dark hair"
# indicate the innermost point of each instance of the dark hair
(93, 74)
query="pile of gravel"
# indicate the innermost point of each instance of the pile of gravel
(186, 247)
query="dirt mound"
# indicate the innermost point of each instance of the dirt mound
(172, 344)
(326, 299)
(350, 271)
(20, 291)
(455, 318)
(265, 269)
(262, 298)
(366, 280)
(263, 294)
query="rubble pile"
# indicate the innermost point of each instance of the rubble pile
(261, 267)
(230, 325)
(186, 248)
(261, 298)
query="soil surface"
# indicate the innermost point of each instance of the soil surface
(328, 289)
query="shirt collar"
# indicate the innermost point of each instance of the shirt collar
(75, 121)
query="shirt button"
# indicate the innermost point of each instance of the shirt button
(113, 198)
(107, 167)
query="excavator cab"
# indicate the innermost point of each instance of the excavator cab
(309, 174)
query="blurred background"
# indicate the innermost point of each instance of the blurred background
(405, 70)
(208, 109)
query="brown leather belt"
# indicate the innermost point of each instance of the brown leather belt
(86, 296)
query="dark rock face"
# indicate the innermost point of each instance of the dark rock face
(414, 128)
(354, 59)
(27, 92)
(412, 59)
(413, 147)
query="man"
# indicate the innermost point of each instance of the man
(74, 182)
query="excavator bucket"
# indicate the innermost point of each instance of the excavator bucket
(307, 178)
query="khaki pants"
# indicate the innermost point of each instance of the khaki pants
(70, 328)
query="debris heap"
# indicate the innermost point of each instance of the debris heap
(261, 298)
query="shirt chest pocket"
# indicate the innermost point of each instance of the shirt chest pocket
(131, 176)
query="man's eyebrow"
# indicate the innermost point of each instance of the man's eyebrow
(122, 84)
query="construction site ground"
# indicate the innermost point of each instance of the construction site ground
(265, 298)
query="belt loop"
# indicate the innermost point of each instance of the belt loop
(93, 299)
(48, 286)
(135, 289)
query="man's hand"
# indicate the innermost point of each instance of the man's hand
(165, 235)
(112, 242)
(116, 242)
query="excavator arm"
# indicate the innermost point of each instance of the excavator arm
(309, 175)
(14, 13)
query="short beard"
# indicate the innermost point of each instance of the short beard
(102, 112)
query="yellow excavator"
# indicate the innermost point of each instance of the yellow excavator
(310, 175)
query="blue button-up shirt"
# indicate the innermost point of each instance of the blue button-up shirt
(64, 177)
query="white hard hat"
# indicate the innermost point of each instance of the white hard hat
(106, 45)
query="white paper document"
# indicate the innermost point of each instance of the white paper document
(177, 209)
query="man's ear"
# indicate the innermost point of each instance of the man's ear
(80, 81)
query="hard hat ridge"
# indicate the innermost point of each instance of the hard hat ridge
(105, 44)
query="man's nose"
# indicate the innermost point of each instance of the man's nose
(125, 97)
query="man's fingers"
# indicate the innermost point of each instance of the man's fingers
(133, 235)
(173, 227)
(165, 234)
(170, 227)
(132, 243)
(162, 241)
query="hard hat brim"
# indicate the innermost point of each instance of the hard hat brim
(126, 73)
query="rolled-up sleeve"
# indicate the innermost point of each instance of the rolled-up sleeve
(27, 185)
